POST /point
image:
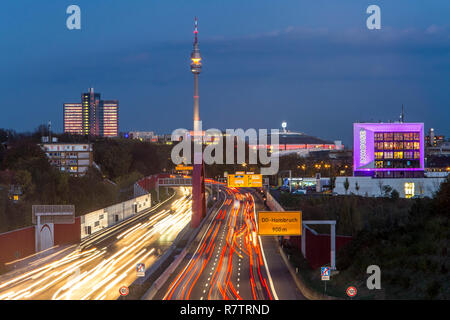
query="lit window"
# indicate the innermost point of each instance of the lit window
(409, 189)
(398, 155)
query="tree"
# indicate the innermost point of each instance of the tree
(387, 190)
(357, 188)
(395, 195)
(346, 185)
(380, 186)
(24, 179)
(332, 183)
(443, 197)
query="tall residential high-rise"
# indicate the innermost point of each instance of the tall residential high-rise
(73, 118)
(92, 116)
(109, 118)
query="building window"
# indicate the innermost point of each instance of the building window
(388, 155)
(378, 137)
(398, 145)
(409, 189)
(398, 155)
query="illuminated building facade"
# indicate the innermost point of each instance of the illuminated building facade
(73, 158)
(109, 118)
(388, 150)
(92, 116)
(73, 118)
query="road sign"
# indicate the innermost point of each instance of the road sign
(237, 180)
(184, 168)
(255, 180)
(241, 180)
(280, 223)
(325, 273)
(140, 270)
(351, 291)
(123, 291)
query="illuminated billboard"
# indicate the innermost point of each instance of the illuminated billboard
(388, 149)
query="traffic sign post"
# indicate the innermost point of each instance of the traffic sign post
(279, 223)
(123, 291)
(325, 274)
(243, 180)
(184, 168)
(140, 270)
(351, 291)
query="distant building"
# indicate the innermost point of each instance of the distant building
(388, 150)
(432, 140)
(441, 150)
(15, 193)
(74, 158)
(143, 136)
(389, 156)
(92, 116)
(296, 142)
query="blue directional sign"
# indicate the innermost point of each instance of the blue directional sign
(325, 273)
(140, 270)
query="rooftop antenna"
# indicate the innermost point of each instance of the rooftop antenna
(402, 115)
(50, 131)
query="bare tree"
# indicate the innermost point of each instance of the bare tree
(346, 185)
(380, 185)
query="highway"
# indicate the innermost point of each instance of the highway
(105, 262)
(228, 263)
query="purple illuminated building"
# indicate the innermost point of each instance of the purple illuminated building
(388, 150)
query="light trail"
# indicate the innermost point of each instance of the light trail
(98, 273)
(220, 261)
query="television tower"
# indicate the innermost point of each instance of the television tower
(198, 181)
(196, 68)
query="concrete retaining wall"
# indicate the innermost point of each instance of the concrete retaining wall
(106, 217)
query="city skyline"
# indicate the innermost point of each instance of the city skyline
(312, 70)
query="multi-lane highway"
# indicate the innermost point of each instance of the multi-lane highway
(228, 262)
(106, 261)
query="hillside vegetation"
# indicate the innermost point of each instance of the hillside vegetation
(407, 239)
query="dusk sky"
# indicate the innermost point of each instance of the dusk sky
(311, 63)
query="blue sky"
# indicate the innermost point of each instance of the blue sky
(311, 63)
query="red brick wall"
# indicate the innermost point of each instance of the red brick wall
(17, 244)
(318, 247)
(68, 233)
